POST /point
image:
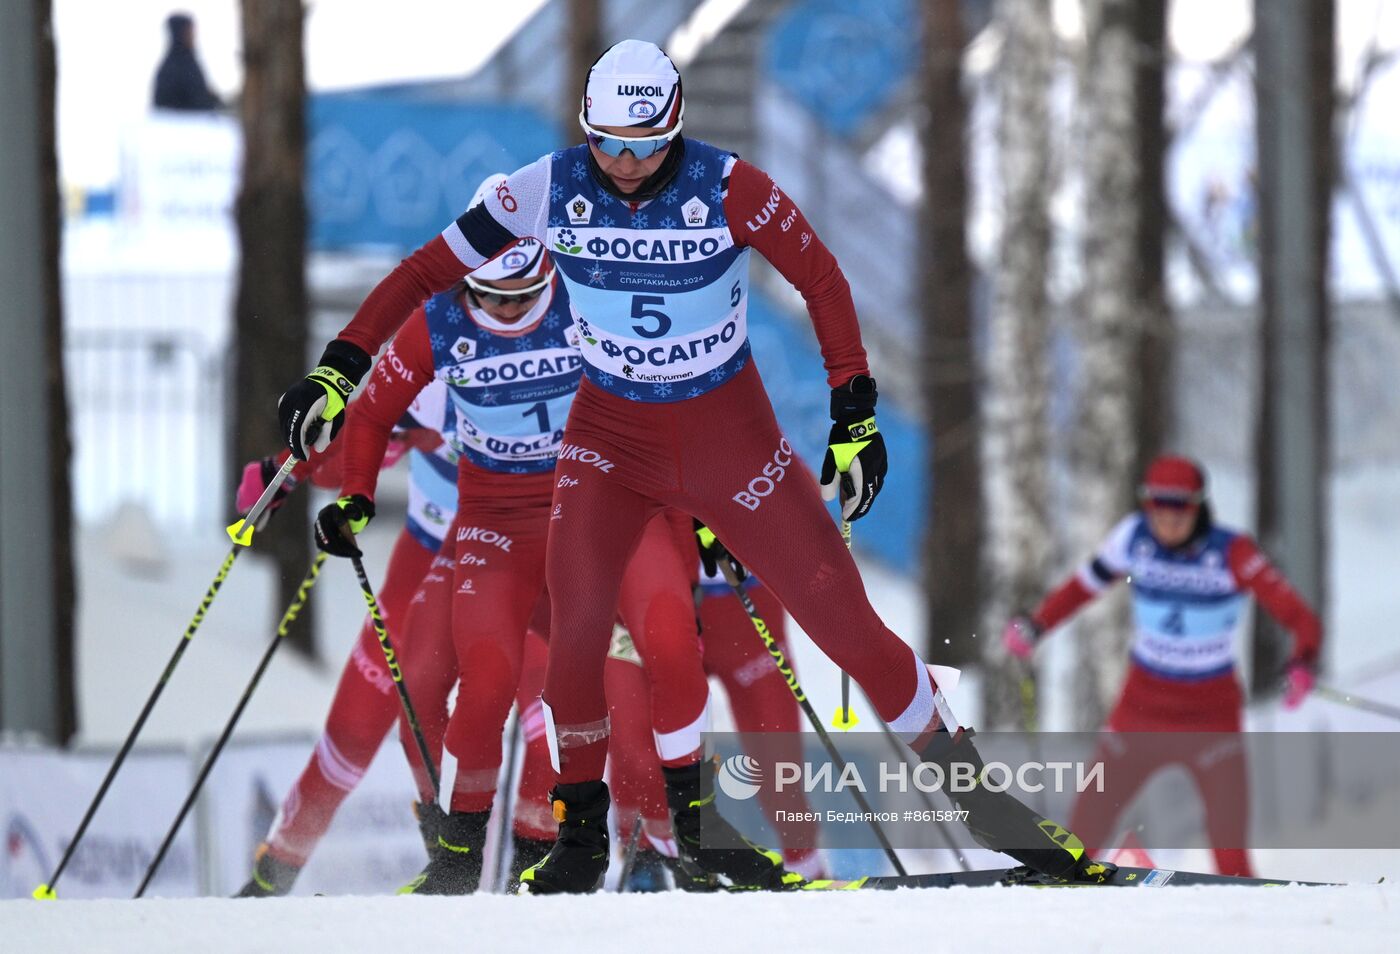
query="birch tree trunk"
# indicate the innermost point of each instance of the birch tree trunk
(1108, 332)
(1016, 428)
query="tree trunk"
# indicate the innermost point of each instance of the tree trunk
(953, 544)
(37, 587)
(585, 46)
(1294, 66)
(1157, 356)
(1108, 332)
(65, 595)
(272, 303)
(1016, 429)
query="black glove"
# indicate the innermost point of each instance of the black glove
(337, 524)
(319, 399)
(855, 453)
(712, 552)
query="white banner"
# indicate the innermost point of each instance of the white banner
(372, 846)
(43, 795)
(180, 170)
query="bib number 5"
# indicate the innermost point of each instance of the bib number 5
(642, 313)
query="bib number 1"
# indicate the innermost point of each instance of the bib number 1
(541, 412)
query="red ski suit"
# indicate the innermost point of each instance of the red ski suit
(1181, 678)
(498, 577)
(693, 454)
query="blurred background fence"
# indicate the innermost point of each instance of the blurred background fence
(148, 405)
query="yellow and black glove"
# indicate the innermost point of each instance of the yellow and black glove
(319, 399)
(855, 454)
(712, 552)
(337, 524)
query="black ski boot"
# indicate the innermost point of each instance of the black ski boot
(579, 859)
(709, 846)
(271, 878)
(526, 853)
(1001, 822)
(454, 866)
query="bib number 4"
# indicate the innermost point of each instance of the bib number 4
(1175, 623)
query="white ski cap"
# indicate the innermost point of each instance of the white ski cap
(523, 258)
(633, 84)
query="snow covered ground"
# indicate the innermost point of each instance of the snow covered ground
(1352, 919)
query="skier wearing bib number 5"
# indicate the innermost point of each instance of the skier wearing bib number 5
(651, 233)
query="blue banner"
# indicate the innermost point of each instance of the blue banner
(791, 366)
(844, 59)
(388, 170)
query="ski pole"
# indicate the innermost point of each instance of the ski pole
(1030, 718)
(395, 673)
(241, 530)
(901, 750)
(506, 808)
(1357, 702)
(45, 892)
(784, 667)
(629, 855)
(293, 611)
(843, 719)
(1029, 710)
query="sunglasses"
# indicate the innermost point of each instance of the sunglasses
(642, 147)
(1172, 503)
(495, 296)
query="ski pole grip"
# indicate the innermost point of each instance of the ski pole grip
(241, 531)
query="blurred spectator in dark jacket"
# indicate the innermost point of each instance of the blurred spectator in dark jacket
(180, 82)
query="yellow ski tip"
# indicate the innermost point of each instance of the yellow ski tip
(829, 885)
(44, 893)
(845, 719)
(241, 533)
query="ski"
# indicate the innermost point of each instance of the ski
(1123, 877)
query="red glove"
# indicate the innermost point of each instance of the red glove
(1298, 681)
(1020, 637)
(257, 474)
(394, 451)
